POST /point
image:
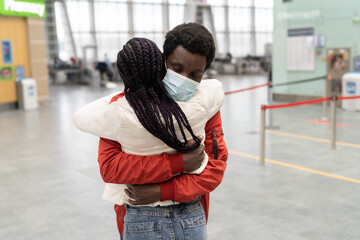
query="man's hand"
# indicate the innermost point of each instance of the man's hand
(192, 160)
(143, 194)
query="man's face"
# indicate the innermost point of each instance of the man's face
(186, 63)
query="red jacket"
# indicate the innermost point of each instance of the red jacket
(119, 167)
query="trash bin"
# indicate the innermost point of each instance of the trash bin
(351, 87)
(27, 94)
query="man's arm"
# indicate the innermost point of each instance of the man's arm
(186, 187)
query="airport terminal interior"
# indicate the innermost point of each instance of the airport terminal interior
(290, 72)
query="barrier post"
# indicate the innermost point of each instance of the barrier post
(270, 112)
(333, 122)
(262, 135)
(270, 103)
(326, 90)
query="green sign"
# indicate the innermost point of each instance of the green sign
(356, 20)
(23, 8)
(6, 73)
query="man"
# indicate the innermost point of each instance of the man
(189, 50)
(104, 69)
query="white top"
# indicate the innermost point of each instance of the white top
(117, 121)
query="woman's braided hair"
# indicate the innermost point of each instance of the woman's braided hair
(141, 65)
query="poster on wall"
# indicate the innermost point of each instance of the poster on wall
(6, 51)
(6, 73)
(19, 72)
(300, 51)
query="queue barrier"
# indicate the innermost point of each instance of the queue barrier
(270, 97)
(249, 88)
(333, 119)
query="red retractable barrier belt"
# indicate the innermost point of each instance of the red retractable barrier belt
(246, 89)
(296, 103)
(349, 97)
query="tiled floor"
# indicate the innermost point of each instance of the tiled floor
(50, 187)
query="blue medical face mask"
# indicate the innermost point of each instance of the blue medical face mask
(179, 87)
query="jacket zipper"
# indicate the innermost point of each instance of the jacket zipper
(215, 145)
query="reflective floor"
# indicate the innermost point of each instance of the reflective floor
(50, 187)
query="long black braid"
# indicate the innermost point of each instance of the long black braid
(141, 65)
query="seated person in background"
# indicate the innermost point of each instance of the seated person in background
(228, 58)
(104, 69)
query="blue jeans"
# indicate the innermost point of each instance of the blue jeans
(175, 222)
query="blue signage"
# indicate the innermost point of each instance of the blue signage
(19, 71)
(296, 32)
(6, 51)
(31, 91)
(351, 87)
(357, 63)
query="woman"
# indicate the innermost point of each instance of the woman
(148, 122)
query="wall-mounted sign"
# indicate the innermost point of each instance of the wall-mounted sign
(6, 73)
(357, 63)
(356, 20)
(6, 51)
(300, 51)
(23, 8)
(320, 41)
(19, 72)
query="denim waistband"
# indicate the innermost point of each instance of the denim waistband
(164, 211)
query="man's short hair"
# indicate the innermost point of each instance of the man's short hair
(193, 37)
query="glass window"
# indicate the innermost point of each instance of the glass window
(148, 18)
(264, 3)
(176, 13)
(110, 0)
(240, 3)
(216, 2)
(147, 1)
(264, 20)
(79, 20)
(158, 38)
(81, 40)
(219, 18)
(239, 19)
(177, 1)
(111, 44)
(240, 44)
(63, 36)
(261, 40)
(111, 17)
(112, 26)
(220, 40)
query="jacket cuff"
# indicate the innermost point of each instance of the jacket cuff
(176, 163)
(167, 190)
